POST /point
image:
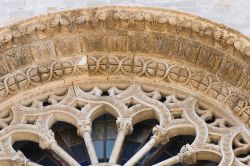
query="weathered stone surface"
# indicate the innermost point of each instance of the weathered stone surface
(209, 59)
(231, 70)
(67, 46)
(43, 51)
(236, 11)
(116, 41)
(18, 57)
(131, 32)
(113, 48)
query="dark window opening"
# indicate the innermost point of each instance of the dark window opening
(67, 138)
(33, 152)
(171, 149)
(141, 134)
(104, 133)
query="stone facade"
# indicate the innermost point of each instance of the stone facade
(138, 56)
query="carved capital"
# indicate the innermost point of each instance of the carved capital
(160, 134)
(84, 126)
(46, 139)
(19, 159)
(187, 154)
(125, 124)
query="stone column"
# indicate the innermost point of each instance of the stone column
(125, 127)
(47, 141)
(186, 156)
(84, 130)
(169, 162)
(160, 136)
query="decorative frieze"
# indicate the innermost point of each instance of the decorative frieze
(122, 29)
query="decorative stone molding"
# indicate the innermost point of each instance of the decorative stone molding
(105, 41)
(117, 41)
(190, 74)
(155, 19)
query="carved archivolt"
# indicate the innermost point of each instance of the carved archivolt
(190, 74)
(116, 66)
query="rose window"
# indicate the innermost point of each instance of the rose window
(123, 86)
(114, 126)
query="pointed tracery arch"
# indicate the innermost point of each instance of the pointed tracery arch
(137, 64)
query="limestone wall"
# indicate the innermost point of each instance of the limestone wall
(233, 13)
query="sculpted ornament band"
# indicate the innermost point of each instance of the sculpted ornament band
(137, 64)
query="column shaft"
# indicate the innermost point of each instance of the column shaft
(142, 152)
(65, 156)
(169, 162)
(90, 148)
(117, 147)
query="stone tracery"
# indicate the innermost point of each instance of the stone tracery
(65, 110)
(190, 74)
